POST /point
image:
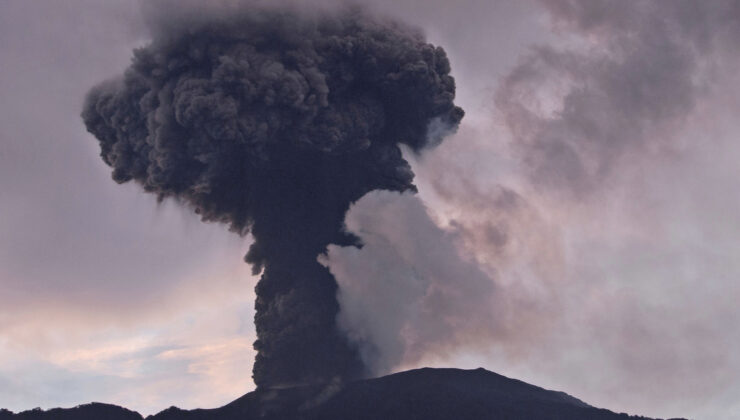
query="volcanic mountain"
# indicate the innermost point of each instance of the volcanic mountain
(428, 394)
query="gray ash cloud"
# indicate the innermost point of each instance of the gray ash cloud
(274, 121)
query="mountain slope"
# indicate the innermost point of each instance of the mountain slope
(428, 394)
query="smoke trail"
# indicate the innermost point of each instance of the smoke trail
(274, 122)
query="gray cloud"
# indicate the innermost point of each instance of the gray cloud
(576, 114)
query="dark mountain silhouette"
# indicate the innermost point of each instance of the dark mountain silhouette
(81, 412)
(427, 394)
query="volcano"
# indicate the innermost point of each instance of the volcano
(428, 394)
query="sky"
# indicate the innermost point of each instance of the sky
(578, 232)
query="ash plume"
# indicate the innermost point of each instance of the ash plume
(274, 121)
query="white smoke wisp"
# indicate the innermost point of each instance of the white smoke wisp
(414, 291)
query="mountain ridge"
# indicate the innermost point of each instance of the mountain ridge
(425, 393)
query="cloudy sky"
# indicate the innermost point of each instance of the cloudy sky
(578, 232)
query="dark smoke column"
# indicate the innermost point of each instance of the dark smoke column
(274, 122)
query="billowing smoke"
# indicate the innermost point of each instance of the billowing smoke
(274, 121)
(607, 100)
(421, 290)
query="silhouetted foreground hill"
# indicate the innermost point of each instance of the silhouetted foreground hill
(428, 394)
